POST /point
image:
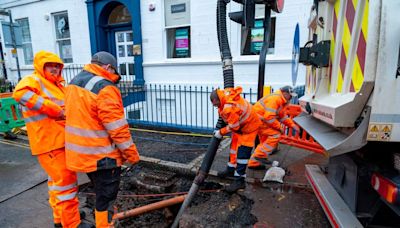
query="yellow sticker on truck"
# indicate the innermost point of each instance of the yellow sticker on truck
(379, 132)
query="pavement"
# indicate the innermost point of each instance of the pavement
(27, 206)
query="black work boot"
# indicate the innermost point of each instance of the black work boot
(82, 214)
(85, 225)
(228, 172)
(57, 225)
(258, 167)
(263, 161)
(237, 184)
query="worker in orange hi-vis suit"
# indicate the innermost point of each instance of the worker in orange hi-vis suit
(98, 140)
(271, 111)
(243, 123)
(41, 95)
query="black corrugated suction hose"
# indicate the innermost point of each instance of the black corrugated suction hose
(227, 67)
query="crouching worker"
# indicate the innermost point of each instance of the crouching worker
(41, 95)
(271, 110)
(243, 123)
(98, 140)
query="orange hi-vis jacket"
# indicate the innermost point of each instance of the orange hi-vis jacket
(42, 102)
(272, 112)
(97, 133)
(236, 112)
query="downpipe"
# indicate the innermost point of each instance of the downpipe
(228, 83)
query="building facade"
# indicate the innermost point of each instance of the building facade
(156, 41)
(53, 25)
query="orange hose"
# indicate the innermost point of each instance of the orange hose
(149, 207)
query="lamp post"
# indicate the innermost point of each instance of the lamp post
(13, 40)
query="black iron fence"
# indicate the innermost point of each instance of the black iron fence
(182, 107)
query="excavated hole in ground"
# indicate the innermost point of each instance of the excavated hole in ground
(208, 209)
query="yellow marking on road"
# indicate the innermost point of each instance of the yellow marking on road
(12, 143)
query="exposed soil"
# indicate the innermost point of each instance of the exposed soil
(262, 205)
(145, 179)
(175, 148)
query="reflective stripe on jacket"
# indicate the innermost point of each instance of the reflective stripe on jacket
(271, 110)
(42, 101)
(236, 112)
(97, 133)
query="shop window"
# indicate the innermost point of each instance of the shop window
(63, 36)
(178, 42)
(177, 23)
(251, 43)
(26, 40)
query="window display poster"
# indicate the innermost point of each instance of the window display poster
(257, 37)
(182, 42)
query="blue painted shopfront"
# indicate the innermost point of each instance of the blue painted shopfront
(102, 34)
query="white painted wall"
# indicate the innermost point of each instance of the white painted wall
(43, 31)
(204, 66)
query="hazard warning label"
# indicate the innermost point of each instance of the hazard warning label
(379, 132)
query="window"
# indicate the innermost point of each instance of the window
(26, 40)
(63, 36)
(253, 41)
(177, 22)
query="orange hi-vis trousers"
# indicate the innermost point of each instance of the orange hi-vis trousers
(63, 188)
(233, 150)
(240, 151)
(268, 143)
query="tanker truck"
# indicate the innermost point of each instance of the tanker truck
(351, 107)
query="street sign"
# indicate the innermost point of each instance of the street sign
(295, 54)
(7, 34)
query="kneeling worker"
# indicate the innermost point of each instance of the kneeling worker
(243, 123)
(271, 111)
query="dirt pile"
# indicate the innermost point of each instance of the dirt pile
(145, 184)
(219, 210)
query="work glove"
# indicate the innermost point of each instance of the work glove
(217, 134)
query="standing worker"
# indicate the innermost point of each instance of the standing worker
(42, 96)
(242, 123)
(98, 140)
(271, 111)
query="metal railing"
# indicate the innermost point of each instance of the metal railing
(180, 107)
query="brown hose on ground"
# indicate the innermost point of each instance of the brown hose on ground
(149, 207)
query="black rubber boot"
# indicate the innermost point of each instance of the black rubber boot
(263, 161)
(86, 225)
(259, 167)
(57, 225)
(228, 172)
(82, 214)
(238, 183)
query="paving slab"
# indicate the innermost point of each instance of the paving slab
(19, 170)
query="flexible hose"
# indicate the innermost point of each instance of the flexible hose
(223, 42)
(228, 83)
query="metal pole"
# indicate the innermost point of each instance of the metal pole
(2, 62)
(14, 44)
(263, 53)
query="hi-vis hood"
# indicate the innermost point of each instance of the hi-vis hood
(99, 71)
(229, 95)
(43, 57)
